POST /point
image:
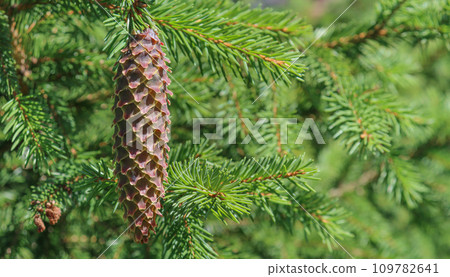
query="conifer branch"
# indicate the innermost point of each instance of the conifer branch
(381, 30)
(8, 80)
(272, 177)
(378, 33)
(237, 104)
(393, 10)
(248, 53)
(275, 115)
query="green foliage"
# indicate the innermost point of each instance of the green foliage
(405, 182)
(28, 124)
(216, 34)
(8, 79)
(376, 86)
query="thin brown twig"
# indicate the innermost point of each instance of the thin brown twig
(261, 27)
(191, 244)
(275, 176)
(275, 114)
(365, 179)
(25, 116)
(20, 57)
(21, 7)
(377, 30)
(237, 104)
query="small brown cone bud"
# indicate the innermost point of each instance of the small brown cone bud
(53, 214)
(39, 223)
(141, 131)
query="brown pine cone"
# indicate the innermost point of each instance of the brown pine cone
(39, 223)
(141, 129)
(53, 214)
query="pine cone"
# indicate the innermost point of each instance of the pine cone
(141, 129)
(39, 223)
(53, 213)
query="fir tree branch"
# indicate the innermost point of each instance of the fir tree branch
(236, 103)
(236, 48)
(20, 57)
(8, 80)
(363, 116)
(27, 121)
(403, 29)
(29, 126)
(378, 33)
(362, 181)
(356, 39)
(275, 176)
(275, 115)
(280, 23)
(22, 6)
(225, 45)
(385, 19)
(403, 181)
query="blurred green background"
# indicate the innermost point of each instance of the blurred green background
(383, 229)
